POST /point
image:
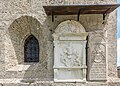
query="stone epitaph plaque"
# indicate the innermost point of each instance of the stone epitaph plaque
(97, 58)
(69, 52)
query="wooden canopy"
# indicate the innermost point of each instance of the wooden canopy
(80, 9)
(84, 9)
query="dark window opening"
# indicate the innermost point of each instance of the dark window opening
(31, 49)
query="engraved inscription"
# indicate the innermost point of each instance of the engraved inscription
(98, 72)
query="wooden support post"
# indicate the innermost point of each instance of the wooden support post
(78, 15)
(52, 16)
(104, 15)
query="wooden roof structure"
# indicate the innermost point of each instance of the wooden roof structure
(80, 9)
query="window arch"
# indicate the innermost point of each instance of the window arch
(31, 49)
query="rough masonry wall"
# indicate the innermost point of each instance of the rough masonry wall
(14, 9)
(15, 38)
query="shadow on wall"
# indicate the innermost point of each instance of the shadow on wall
(17, 33)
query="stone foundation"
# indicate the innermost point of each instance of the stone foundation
(51, 83)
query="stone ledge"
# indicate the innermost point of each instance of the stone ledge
(33, 82)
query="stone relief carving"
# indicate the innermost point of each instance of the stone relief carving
(97, 37)
(69, 52)
(70, 57)
(98, 53)
(97, 56)
(69, 26)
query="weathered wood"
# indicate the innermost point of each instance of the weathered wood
(86, 9)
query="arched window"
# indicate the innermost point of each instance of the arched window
(31, 49)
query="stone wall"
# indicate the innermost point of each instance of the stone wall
(20, 18)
